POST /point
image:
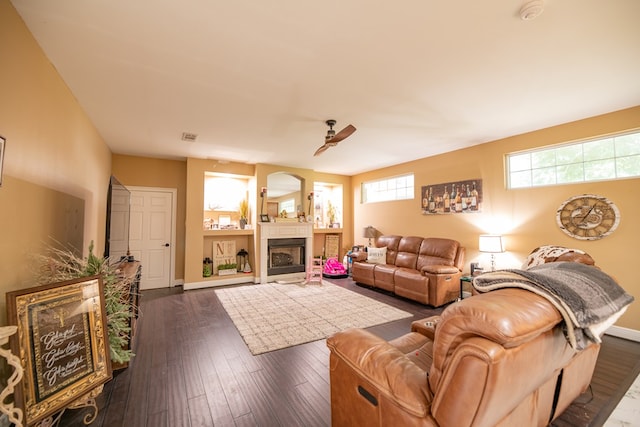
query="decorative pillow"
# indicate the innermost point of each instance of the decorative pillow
(377, 255)
(550, 253)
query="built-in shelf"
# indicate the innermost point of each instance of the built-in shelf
(229, 232)
(327, 231)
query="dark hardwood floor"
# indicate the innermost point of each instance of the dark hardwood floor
(192, 368)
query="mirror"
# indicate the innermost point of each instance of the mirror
(284, 194)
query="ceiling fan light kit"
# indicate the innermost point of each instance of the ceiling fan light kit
(332, 139)
(531, 10)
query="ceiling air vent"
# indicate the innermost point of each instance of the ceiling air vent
(189, 137)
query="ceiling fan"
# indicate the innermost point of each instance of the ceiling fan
(332, 138)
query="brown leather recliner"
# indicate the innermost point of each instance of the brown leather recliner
(426, 270)
(496, 359)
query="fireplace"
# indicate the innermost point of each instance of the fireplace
(285, 256)
(285, 250)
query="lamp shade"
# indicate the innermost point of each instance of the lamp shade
(491, 243)
(369, 232)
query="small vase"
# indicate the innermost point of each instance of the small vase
(243, 223)
(207, 267)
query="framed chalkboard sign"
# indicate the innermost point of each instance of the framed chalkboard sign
(62, 344)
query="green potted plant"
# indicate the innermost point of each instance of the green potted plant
(243, 208)
(227, 269)
(60, 264)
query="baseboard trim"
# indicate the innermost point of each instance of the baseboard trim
(219, 282)
(626, 333)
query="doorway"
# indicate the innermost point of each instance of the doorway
(153, 234)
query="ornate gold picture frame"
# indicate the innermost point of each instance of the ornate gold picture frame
(62, 344)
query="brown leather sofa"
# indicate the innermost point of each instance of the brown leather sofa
(426, 270)
(496, 359)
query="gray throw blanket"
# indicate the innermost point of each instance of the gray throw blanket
(589, 300)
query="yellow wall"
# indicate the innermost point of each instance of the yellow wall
(55, 160)
(527, 216)
(148, 172)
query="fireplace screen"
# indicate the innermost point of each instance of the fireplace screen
(285, 256)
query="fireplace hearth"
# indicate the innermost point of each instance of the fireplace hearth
(285, 250)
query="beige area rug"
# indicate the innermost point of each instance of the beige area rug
(274, 316)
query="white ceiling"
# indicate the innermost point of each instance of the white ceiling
(257, 79)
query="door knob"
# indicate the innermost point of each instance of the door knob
(166, 245)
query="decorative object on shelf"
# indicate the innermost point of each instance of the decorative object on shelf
(62, 343)
(13, 413)
(224, 220)
(264, 218)
(493, 244)
(244, 213)
(2, 144)
(60, 264)
(452, 197)
(588, 217)
(331, 213)
(207, 267)
(242, 259)
(224, 255)
(227, 269)
(369, 232)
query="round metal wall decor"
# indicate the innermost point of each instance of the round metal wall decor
(588, 217)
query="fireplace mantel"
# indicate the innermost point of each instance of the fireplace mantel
(284, 230)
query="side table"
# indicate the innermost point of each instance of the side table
(463, 279)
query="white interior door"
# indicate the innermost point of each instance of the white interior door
(119, 229)
(151, 239)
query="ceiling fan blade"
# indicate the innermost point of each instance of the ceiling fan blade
(322, 149)
(343, 134)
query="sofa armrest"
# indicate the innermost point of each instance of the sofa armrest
(439, 269)
(384, 366)
(426, 327)
(358, 256)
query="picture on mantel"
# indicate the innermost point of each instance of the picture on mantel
(452, 197)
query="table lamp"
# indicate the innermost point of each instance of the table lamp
(369, 233)
(493, 244)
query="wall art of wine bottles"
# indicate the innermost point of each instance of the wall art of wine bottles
(452, 197)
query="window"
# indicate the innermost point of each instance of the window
(289, 206)
(608, 158)
(396, 188)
